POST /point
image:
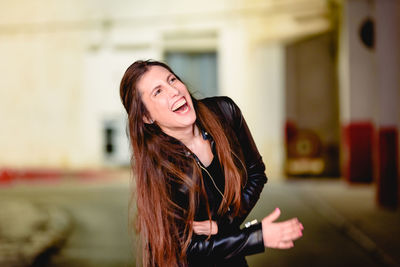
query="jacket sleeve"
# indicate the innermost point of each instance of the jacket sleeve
(225, 245)
(243, 242)
(255, 167)
(232, 241)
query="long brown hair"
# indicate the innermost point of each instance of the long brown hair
(160, 161)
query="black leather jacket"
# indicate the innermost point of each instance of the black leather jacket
(231, 244)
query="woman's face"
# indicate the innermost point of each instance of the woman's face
(167, 100)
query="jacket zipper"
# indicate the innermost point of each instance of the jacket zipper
(212, 179)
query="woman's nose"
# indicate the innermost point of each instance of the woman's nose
(172, 91)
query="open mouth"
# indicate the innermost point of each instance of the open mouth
(180, 106)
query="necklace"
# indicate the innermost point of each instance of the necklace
(212, 179)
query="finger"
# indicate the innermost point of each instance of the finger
(200, 228)
(273, 215)
(197, 232)
(200, 222)
(285, 245)
(285, 229)
(214, 229)
(200, 231)
(290, 227)
(291, 236)
(201, 225)
(290, 223)
(207, 222)
(205, 227)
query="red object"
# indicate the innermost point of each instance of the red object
(290, 131)
(10, 175)
(358, 159)
(387, 165)
(6, 176)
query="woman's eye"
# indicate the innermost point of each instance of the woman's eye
(173, 79)
(156, 92)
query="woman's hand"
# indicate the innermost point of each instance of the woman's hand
(280, 234)
(205, 228)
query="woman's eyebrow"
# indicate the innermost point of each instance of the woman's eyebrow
(158, 86)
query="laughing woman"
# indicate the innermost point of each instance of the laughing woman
(198, 174)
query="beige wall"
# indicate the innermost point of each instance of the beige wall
(357, 70)
(40, 92)
(62, 63)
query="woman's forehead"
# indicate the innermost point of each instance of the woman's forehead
(152, 77)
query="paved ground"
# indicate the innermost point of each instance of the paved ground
(98, 212)
(26, 230)
(343, 226)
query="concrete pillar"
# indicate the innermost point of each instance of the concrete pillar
(357, 83)
(388, 70)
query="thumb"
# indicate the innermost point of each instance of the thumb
(273, 215)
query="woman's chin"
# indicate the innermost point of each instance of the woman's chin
(187, 119)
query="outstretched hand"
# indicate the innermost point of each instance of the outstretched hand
(280, 234)
(205, 228)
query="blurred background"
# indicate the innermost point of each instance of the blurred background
(317, 81)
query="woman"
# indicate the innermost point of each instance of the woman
(198, 175)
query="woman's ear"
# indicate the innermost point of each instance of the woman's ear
(147, 120)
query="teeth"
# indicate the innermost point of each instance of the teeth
(179, 104)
